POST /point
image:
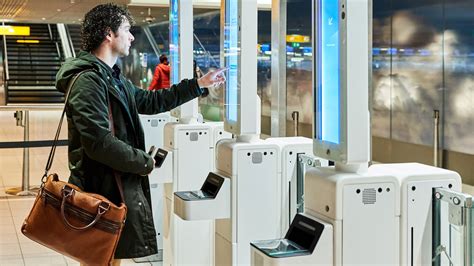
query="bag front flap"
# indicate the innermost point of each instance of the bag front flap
(88, 202)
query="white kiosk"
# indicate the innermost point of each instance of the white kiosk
(355, 214)
(190, 146)
(153, 128)
(249, 194)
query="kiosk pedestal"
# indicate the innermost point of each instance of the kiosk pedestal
(153, 126)
(363, 210)
(309, 241)
(191, 151)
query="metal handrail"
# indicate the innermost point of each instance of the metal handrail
(205, 50)
(296, 122)
(7, 73)
(69, 39)
(436, 138)
(151, 40)
(50, 32)
(64, 41)
(55, 41)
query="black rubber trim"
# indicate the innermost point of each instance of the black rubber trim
(32, 144)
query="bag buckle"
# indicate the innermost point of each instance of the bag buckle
(67, 191)
(43, 179)
(103, 207)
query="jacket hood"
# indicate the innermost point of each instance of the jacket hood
(165, 68)
(72, 66)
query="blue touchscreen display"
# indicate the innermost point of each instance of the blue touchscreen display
(174, 41)
(231, 59)
(328, 103)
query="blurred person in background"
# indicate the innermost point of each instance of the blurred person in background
(161, 78)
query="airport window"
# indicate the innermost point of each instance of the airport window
(422, 61)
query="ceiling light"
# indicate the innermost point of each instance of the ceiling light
(43, 18)
(59, 10)
(149, 19)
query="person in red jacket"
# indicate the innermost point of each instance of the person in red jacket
(161, 78)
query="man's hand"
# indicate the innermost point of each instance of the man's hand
(212, 78)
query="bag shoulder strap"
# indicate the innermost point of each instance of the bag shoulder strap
(58, 131)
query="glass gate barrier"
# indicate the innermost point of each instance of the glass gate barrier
(452, 228)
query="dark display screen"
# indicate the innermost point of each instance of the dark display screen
(160, 157)
(212, 185)
(305, 232)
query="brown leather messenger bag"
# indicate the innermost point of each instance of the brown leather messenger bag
(83, 226)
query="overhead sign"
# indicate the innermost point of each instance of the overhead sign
(15, 30)
(297, 38)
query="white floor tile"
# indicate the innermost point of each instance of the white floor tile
(22, 238)
(7, 228)
(10, 250)
(20, 204)
(9, 238)
(4, 205)
(6, 221)
(5, 213)
(45, 260)
(12, 262)
(18, 221)
(34, 249)
(128, 262)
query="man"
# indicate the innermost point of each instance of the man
(161, 78)
(95, 153)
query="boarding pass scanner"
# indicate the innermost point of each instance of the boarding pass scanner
(211, 202)
(308, 241)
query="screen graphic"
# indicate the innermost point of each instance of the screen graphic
(231, 56)
(174, 41)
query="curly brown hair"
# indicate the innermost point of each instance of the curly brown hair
(99, 21)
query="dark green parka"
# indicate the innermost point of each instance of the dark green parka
(94, 152)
